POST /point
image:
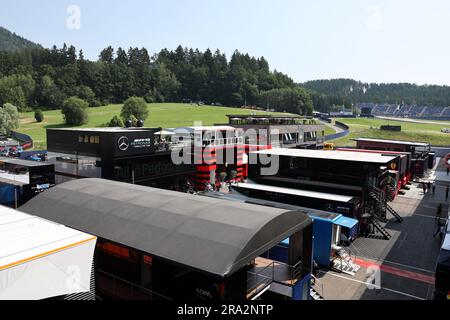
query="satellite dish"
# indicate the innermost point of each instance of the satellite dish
(128, 123)
(140, 123)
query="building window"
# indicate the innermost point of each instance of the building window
(91, 139)
(80, 138)
(148, 259)
(116, 250)
(97, 140)
(86, 139)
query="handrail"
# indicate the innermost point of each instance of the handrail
(294, 272)
(260, 274)
(318, 283)
(350, 255)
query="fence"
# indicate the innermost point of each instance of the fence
(25, 140)
(342, 134)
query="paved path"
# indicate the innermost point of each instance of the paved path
(439, 173)
(334, 127)
(405, 264)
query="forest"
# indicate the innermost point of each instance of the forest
(33, 77)
(44, 78)
(351, 91)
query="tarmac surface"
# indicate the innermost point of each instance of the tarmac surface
(334, 127)
(404, 266)
(414, 120)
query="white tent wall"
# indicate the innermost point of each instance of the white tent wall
(59, 273)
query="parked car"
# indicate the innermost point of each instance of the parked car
(446, 130)
(35, 157)
(4, 153)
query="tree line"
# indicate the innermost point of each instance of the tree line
(350, 92)
(45, 78)
(40, 78)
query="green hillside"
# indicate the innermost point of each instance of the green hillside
(166, 115)
(418, 132)
(11, 42)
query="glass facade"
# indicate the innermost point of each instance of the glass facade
(75, 165)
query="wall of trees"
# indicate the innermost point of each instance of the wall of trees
(351, 91)
(44, 78)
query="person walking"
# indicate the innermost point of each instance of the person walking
(439, 212)
(433, 187)
(439, 230)
(424, 187)
(448, 171)
(446, 192)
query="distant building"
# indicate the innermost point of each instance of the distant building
(421, 160)
(215, 150)
(21, 180)
(342, 114)
(348, 183)
(366, 112)
(281, 131)
(135, 155)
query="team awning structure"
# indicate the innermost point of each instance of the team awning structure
(40, 259)
(346, 222)
(165, 133)
(211, 235)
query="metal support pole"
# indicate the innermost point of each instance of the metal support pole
(15, 198)
(78, 171)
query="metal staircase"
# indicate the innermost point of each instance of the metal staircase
(316, 290)
(381, 229)
(380, 206)
(344, 262)
(376, 214)
(315, 295)
(377, 209)
(377, 206)
(391, 185)
(394, 213)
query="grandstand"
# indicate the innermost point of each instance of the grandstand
(408, 111)
(446, 113)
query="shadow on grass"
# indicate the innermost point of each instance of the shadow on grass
(56, 126)
(63, 125)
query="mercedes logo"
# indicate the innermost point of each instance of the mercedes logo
(123, 143)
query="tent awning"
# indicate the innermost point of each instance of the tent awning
(346, 222)
(39, 258)
(192, 231)
(165, 133)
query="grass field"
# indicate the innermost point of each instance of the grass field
(369, 128)
(166, 115)
(329, 131)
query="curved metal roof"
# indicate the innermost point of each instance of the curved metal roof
(211, 235)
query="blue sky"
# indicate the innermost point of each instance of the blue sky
(376, 41)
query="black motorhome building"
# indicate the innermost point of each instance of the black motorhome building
(121, 154)
(319, 170)
(336, 172)
(421, 160)
(346, 205)
(20, 180)
(160, 244)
